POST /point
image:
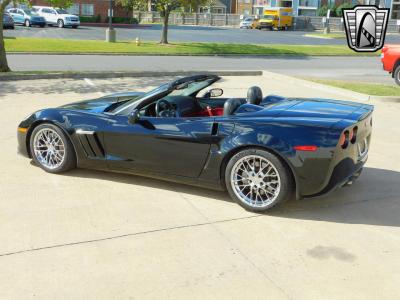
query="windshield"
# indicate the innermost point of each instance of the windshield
(268, 17)
(62, 11)
(190, 88)
(126, 106)
(248, 19)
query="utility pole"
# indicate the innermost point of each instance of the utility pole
(111, 35)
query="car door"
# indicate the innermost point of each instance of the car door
(20, 16)
(53, 16)
(14, 15)
(49, 15)
(175, 146)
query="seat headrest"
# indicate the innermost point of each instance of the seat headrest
(254, 95)
(231, 105)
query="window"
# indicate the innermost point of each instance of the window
(87, 9)
(74, 9)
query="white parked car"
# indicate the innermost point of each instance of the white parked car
(248, 23)
(57, 16)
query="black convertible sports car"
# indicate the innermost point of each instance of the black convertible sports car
(262, 150)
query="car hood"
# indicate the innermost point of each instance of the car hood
(69, 16)
(102, 104)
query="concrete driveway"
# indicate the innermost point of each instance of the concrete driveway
(96, 235)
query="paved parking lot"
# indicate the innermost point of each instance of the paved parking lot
(96, 235)
(184, 34)
(364, 69)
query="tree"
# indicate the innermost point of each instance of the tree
(164, 7)
(323, 10)
(3, 4)
(339, 12)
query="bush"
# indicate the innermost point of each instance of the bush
(90, 19)
(323, 10)
(123, 20)
(340, 7)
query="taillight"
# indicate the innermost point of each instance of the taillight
(353, 135)
(344, 140)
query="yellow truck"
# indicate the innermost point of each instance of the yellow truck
(276, 18)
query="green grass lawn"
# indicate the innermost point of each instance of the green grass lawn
(340, 35)
(372, 89)
(86, 46)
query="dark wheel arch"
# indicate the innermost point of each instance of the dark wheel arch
(234, 151)
(395, 67)
(40, 122)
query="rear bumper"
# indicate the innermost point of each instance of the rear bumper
(38, 23)
(342, 174)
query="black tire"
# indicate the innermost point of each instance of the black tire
(27, 23)
(74, 26)
(396, 75)
(69, 161)
(42, 26)
(60, 23)
(287, 185)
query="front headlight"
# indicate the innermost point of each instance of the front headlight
(68, 18)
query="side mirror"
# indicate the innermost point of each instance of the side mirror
(215, 92)
(134, 116)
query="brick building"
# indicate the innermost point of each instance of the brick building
(91, 8)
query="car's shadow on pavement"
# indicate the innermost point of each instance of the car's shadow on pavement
(372, 200)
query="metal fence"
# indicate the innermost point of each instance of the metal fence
(299, 23)
(190, 19)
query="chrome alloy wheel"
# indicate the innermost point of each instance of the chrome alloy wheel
(49, 148)
(255, 181)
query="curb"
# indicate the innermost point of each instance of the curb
(93, 75)
(276, 55)
(385, 99)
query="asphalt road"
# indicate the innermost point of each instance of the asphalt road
(367, 69)
(96, 235)
(184, 34)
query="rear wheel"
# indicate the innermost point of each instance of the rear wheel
(258, 180)
(27, 23)
(396, 75)
(51, 149)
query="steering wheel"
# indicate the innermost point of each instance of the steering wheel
(163, 108)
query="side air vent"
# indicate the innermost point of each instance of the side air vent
(90, 143)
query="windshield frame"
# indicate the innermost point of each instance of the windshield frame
(163, 91)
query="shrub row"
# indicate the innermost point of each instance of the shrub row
(117, 20)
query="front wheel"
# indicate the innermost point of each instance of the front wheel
(27, 23)
(258, 180)
(51, 149)
(60, 24)
(396, 75)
